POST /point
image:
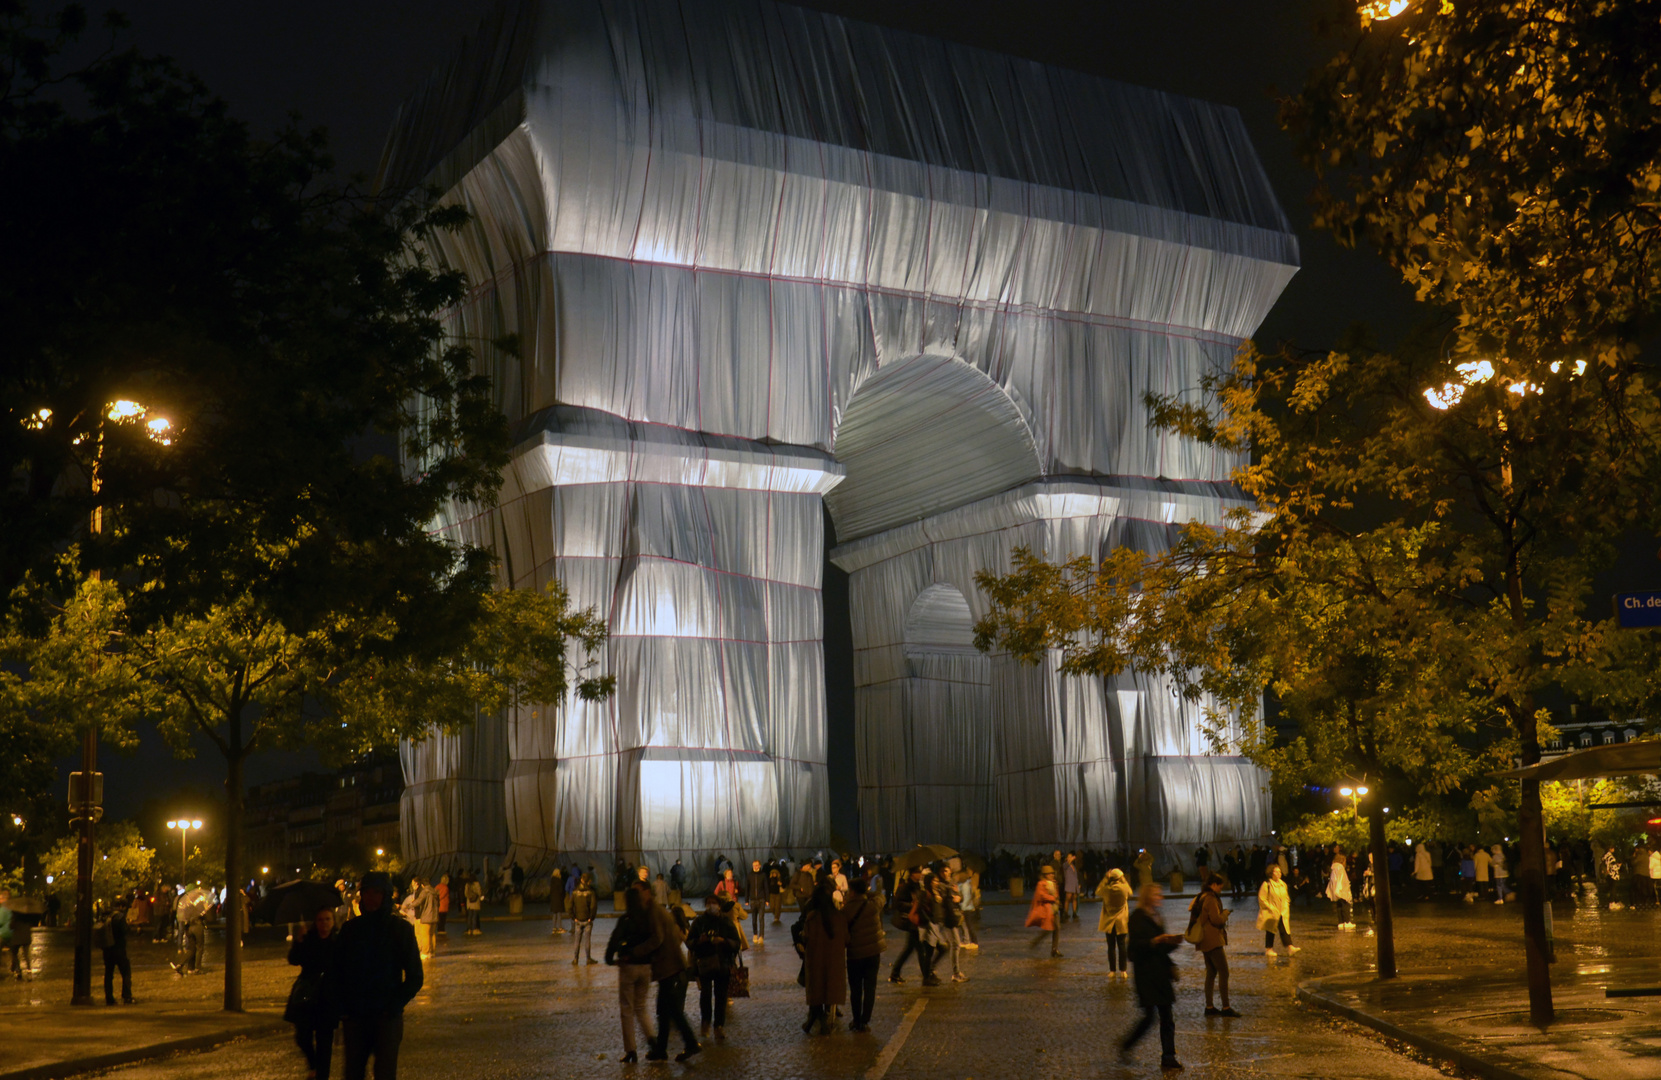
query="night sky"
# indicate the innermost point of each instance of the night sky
(347, 64)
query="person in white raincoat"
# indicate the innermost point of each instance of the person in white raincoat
(1423, 872)
(1338, 888)
(1274, 912)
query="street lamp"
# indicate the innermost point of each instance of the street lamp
(184, 826)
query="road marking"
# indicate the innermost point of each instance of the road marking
(897, 1042)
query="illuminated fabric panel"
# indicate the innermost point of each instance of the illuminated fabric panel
(761, 261)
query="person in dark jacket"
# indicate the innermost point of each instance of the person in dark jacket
(314, 1023)
(1150, 956)
(584, 906)
(113, 939)
(634, 975)
(822, 934)
(376, 972)
(910, 917)
(663, 951)
(756, 892)
(865, 942)
(714, 942)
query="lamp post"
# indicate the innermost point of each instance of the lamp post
(86, 786)
(184, 826)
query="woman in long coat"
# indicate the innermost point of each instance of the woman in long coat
(825, 956)
(1274, 912)
(1114, 923)
(1046, 899)
(1338, 888)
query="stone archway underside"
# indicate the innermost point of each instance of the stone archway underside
(753, 252)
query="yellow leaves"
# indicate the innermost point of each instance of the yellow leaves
(1474, 133)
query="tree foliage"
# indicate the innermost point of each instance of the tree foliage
(1415, 572)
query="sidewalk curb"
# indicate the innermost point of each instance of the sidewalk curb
(74, 1066)
(1309, 994)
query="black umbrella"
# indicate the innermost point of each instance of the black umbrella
(297, 901)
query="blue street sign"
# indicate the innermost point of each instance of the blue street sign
(1638, 609)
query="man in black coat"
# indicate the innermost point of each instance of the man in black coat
(1150, 954)
(376, 972)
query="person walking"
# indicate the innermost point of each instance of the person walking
(314, 1024)
(1338, 888)
(375, 972)
(824, 938)
(1114, 922)
(910, 913)
(193, 934)
(1497, 867)
(714, 942)
(775, 892)
(634, 978)
(473, 897)
(1150, 955)
(1484, 863)
(1274, 913)
(663, 951)
(1044, 912)
(112, 940)
(1207, 911)
(1069, 887)
(585, 905)
(863, 913)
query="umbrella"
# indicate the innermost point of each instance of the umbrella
(297, 901)
(922, 855)
(198, 899)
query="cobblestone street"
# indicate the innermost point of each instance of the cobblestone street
(511, 1005)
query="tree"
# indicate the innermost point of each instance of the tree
(124, 863)
(1505, 157)
(276, 570)
(237, 676)
(1429, 518)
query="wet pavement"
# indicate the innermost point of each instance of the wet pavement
(509, 1004)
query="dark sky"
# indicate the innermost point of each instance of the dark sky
(347, 64)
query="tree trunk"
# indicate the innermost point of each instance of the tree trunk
(233, 869)
(1531, 884)
(1384, 922)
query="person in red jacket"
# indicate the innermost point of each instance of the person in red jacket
(1043, 913)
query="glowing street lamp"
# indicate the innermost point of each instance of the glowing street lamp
(184, 826)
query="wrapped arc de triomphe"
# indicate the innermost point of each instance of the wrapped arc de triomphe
(763, 262)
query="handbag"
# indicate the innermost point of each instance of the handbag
(1195, 932)
(738, 984)
(303, 998)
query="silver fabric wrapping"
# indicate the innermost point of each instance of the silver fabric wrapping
(799, 258)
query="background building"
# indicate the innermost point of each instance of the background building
(331, 820)
(765, 262)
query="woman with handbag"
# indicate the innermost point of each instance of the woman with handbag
(714, 941)
(1208, 930)
(314, 1023)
